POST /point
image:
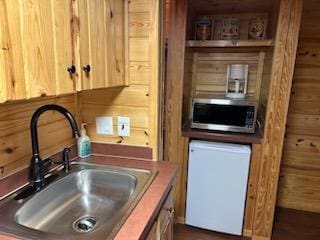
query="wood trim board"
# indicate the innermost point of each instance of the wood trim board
(279, 95)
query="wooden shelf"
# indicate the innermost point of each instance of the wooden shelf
(229, 43)
(244, 138)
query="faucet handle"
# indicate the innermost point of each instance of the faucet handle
(66, 159)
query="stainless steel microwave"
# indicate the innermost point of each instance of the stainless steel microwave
(223, 114)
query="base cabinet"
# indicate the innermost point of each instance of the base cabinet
(162, 228)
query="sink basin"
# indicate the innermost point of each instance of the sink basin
(92, 193)
(90, 202)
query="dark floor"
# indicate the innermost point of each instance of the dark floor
(289, 225)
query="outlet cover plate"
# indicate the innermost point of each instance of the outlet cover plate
(104, 125)
(124, 126)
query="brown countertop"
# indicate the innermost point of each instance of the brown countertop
(201, 134)
(143, 215)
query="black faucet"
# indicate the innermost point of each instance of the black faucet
(37, 168)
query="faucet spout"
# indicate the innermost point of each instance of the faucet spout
(37, 172)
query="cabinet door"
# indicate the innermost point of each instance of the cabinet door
(62, 15)
(5, 86)
(167, 233)
(40, 47)
(101, 32)
(166, 219)
(153, 233)
(117, 43)
(13, 84)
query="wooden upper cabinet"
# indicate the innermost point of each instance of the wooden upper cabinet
(5, 88)
(40, 47)
(41, 40)
(12, 81)
(37, 39)
(62, 10)
(102, 43)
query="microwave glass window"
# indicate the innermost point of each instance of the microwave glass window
(221, 114)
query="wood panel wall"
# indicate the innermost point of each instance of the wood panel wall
(265, 85)
(188, 88)
(210, 70)
(277, 109)
(139, 101)
(54, 132)
(176, 146)
(300, 172)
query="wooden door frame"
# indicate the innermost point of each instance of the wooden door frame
(176, 146)
(279, 96)
(278, 104)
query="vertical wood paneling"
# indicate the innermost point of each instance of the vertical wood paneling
(38, 47)
(5, 85)
(154, 84)
(62, 15)
(299, 185)
(39, 42)
(120, 33)
(211, 76)
(265, 85)
(83, 41)
(252, 190)
(281, 81)
(98, 40)
(189, 70)
(140, 99)
(99, 34)
(12, 50)
(176, 146)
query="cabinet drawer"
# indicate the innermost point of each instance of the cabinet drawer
(166, 213)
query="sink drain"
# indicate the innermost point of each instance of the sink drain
(85, 224)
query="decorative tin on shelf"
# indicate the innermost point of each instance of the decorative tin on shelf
(257, 28)
(203, 29)
(230, 29)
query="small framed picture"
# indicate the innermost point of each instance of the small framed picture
(204, 29)
(258, 28)
(230, 29)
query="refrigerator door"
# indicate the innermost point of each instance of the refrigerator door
(217, 184)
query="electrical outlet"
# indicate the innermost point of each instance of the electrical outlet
(124, 126)
(104, 125)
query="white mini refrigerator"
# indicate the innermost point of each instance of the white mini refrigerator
(217, 186)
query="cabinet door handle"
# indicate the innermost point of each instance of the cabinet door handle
(72, 69)
(87, 68)
(170, 211)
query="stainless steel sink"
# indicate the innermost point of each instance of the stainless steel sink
(90, 202)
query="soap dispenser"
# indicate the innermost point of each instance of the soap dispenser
(84, 143)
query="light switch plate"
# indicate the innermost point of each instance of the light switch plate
(124, 126)
(104, 125)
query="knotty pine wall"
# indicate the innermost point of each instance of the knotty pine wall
(188, 88)
(210, 70)
(299, 185)
(139, 101)
(15, 139)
